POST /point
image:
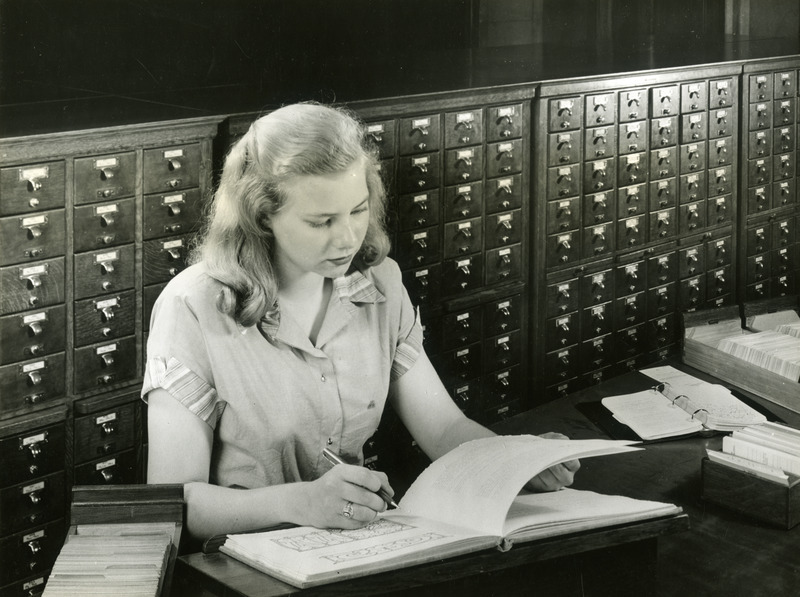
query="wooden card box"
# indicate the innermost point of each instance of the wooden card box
(751, 495)
(702, 331)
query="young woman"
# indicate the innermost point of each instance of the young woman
(287, 336)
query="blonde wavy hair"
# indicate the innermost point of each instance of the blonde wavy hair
(236, 243)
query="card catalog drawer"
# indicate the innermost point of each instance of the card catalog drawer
(100, 178)
(31, 334)
(97, 366)
(171, 213)
(104, 432)
(32, 453)
(31, 286)
(30, 551)
(171, 168)
(164, 258)
(109, 470)
(104, 271)
(104, 224)
(29, 237)
(34, 187)
(31, 382)
(32, 502)
(104, 317)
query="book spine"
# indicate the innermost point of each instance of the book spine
(758, 453)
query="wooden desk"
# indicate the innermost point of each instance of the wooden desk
(722, 553)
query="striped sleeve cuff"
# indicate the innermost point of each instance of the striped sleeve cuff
(408, 350)
(185, 386)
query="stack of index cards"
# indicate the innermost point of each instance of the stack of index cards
(121, 565)
(770, 350)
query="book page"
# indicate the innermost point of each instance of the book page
(476, 483)
(651, 415)
(539, 515)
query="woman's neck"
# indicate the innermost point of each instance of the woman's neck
(305, 300)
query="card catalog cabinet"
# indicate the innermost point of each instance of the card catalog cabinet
(633, 218)
(92, 225)
(769, 251)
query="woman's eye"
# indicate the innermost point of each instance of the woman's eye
(320, 224)
(360, 210)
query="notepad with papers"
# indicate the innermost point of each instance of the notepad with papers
(678, 405)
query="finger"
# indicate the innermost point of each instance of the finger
(363, 497)
(356, 514)
(572, 465)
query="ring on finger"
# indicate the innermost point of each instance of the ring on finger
(347, 511)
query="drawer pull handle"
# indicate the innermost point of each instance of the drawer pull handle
(174, 183)
(35, 328)
(464, 269)
(106, 379)
(108, 359)
(35, 497)
(108, 428)
(34, 398)
(106, 267)
(108, 475)
(173, 164)
(174, 210)
(35, 548)
(107, 313)
(106, 173)
(34, 378)
(33, 282)
(106, 220)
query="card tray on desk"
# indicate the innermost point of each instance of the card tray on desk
(701, 354)
(750, 495)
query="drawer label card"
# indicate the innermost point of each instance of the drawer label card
(503, 375)
(37, 582)
(37, 366)
(33, 536)
(106, 163)
(564, 138)
(504, 218)
(564, 321)
(722, 84)
(420, 236)
(34, 317)
(462, 317)
(173, 153)
(465, 225)
(465, 117)
(105, 418)
(36, 270)
(31, 488)
(106, 209)
(506, 251)
(112, 302)
(465, 154)
(722, 114)
(172, 244)
(505, 183)
(600, 100)
(503, 340)
(33, 221)
(663, 154)
(761, 79)
(105, 464)
(565, 104)
(463, 352)
(170, 199)
(662, 291)
(421, 123)
(464, 263)
(505, 111)
(695, 119)
(421, 273)
(694, 88)
(34, 439)
(503, 305)
(421, 161)
(633, 159)
(34, 173)
(110, 256)
(465, 190)
(600, 133)
(106, 349)
(505, 148)
(375, 128)
(421, 198)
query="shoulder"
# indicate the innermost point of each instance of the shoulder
(385, 275)
(193, 288)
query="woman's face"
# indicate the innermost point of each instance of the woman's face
(322, 225)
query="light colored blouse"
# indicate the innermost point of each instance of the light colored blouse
(273, 399)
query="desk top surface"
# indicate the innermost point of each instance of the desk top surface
(757, 559)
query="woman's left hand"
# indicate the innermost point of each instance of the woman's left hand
(555, 477)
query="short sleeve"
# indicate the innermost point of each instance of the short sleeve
(177, 359)
(409, 339)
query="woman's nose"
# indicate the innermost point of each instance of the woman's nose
(346, 234)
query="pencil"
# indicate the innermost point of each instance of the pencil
(334, 458)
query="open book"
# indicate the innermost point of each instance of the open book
(680, 405)
(463, 502)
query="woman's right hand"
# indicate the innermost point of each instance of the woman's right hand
(329, 496)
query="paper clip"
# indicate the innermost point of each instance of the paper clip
(697, 411)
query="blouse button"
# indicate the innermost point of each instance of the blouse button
(330, 442)
(322, 378)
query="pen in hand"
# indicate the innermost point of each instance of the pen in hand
(334, 458)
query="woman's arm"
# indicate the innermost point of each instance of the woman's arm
(438, 425)
(180, 452)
